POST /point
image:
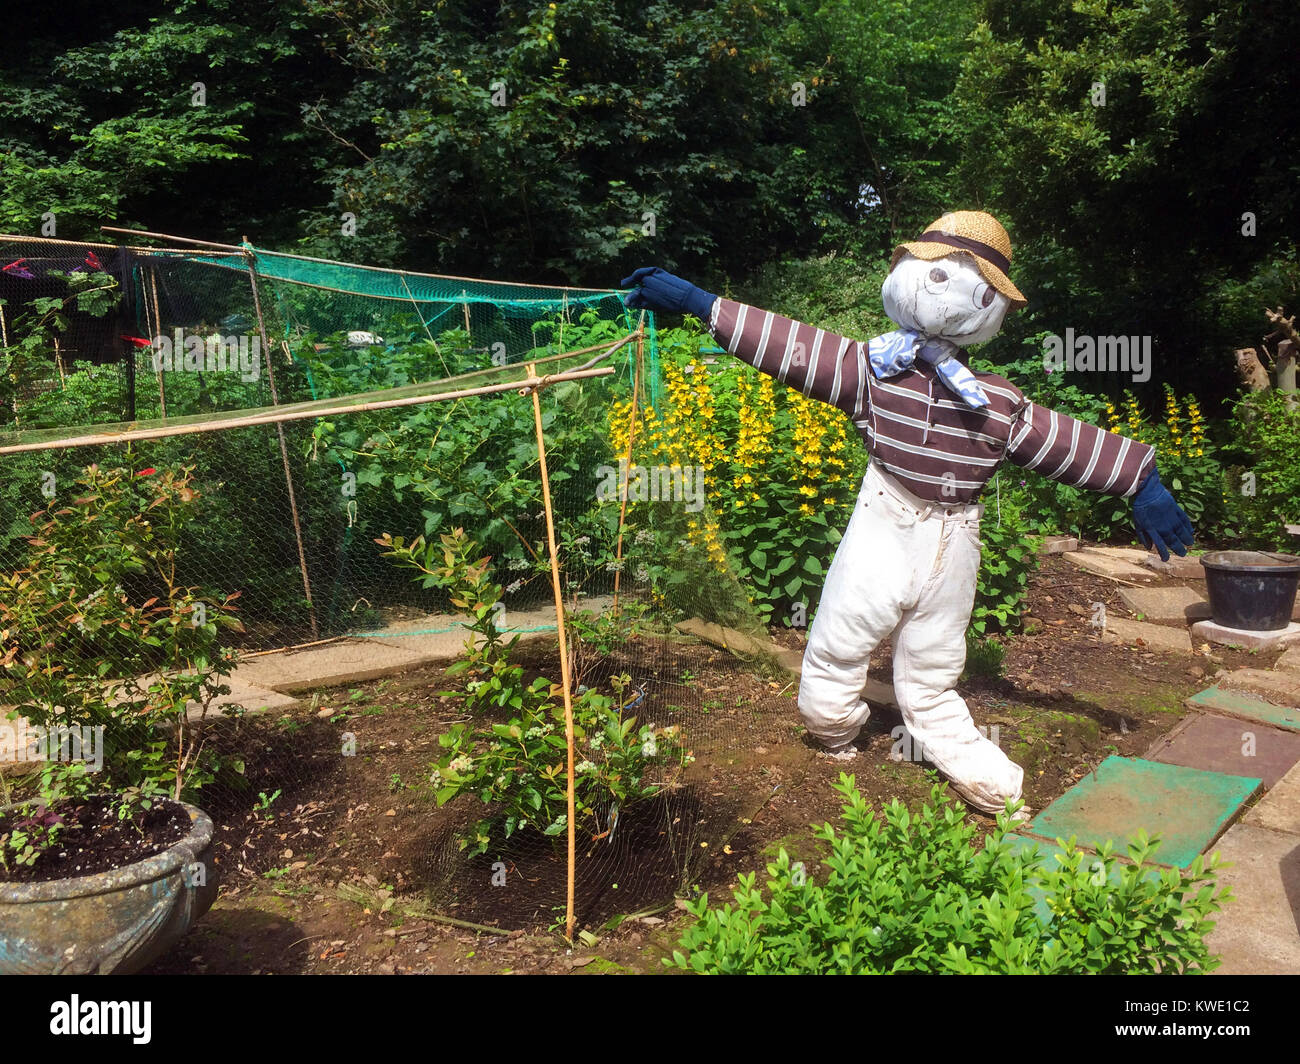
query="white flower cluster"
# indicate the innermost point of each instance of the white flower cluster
(461, 765)
(585, 766)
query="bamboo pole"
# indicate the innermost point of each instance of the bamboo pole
(157, 323)
(284, 447)
(285, 414)
(626, 472)
(168, 236)
(564, 656)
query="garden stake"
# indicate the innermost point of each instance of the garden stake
(564, 649)
(157, 324)
(631, 437)
(284, 447)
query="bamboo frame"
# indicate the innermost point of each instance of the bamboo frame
(284, 446)
(157, 324)
(569, 915)
(349, 265)
(290, 414)
(631, 437)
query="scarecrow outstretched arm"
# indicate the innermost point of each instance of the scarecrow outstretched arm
(821, 364)
(1076, 453)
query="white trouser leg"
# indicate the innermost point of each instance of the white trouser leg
(873, 575)
(929, 654)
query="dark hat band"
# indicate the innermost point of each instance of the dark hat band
(965, 243)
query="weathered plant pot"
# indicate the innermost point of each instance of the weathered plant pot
(1250, 589)
(109, 922)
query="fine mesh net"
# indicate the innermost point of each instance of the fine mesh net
(288, 428)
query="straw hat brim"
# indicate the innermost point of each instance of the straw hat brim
(930, 251)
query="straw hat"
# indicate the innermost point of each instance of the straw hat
(977, 234)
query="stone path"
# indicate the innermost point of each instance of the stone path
(1196, 784)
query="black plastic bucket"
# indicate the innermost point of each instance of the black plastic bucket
(1251, 589)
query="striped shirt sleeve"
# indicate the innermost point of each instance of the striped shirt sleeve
(1076, 453)
(821, 364)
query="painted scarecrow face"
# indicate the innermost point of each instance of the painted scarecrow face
(945, 297)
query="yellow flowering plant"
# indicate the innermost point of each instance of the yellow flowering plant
(780, 473)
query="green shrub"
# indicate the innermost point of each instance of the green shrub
(96, 630)
(1263, 497)
(1008, 556)
(916, 893)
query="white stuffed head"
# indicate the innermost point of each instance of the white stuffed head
(953, 280)
(946, 297)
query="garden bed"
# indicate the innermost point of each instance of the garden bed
(340, 872)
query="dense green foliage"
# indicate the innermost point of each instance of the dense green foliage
(751, 133)
(917, 893)
(97, 630)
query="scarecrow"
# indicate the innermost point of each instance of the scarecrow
(935, 431)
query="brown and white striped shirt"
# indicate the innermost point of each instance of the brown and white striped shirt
(942, 450)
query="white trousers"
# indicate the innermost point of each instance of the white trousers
(908, 568)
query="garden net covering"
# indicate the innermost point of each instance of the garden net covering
(285, 516)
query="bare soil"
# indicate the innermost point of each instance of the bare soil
(91, 837)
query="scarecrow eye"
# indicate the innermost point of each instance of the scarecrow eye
(936, 281)
(983, 295)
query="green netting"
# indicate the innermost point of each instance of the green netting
(299, 468)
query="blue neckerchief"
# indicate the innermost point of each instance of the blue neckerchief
(894, 352)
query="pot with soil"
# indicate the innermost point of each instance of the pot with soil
(107, 894)
(1252, 590)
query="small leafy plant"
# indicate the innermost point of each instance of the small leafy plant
(518, 767)
(916, 893)
(29, 837)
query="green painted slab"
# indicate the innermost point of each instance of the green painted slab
(1247, 707)
(1186, 807)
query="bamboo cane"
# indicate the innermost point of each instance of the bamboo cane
(157, 325)
(564, 656)
(284, 447)
(627, 464)
(285, 414)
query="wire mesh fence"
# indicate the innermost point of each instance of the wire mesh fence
(280, 532)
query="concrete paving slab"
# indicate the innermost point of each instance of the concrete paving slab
(1092, 561)
(1058, 544)
(1246, 706)
(1181, 567)
(1280, 687)
(1162, 604)
(1258, 932)
(349, 661)
(253, 698)
(1289, 661)
(1213, 632)
(1229, 745)
(1187, 807)
(1279, 810)
(1143, 633)
(1133, 555)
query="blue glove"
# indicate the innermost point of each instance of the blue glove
(660, 290)
(1161, 521)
